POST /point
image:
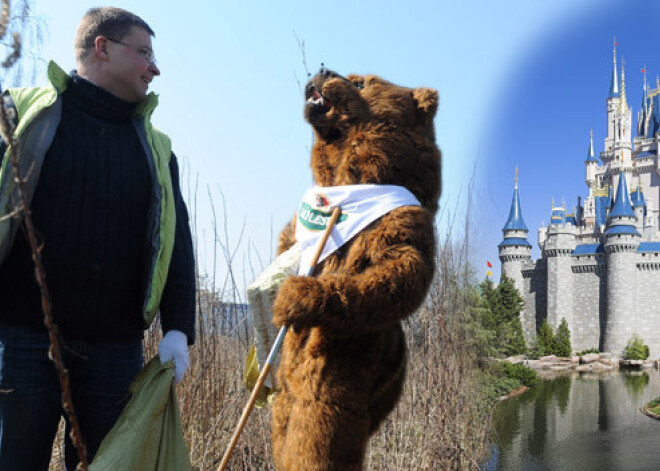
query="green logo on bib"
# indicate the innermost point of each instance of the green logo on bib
(315, 219)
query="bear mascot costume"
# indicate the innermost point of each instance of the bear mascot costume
(344, 354)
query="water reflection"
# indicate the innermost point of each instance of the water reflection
(579, 422)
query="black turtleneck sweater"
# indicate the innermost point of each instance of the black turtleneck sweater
(90, 210)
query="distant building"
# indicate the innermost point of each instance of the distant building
(600, 265)
(223, 318)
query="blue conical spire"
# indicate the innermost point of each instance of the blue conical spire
(637, 198)
(590, 153)
(614, 84)
(515, 221)
(643, 110)
(622, 205)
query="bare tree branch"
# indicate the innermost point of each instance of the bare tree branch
(7, 131)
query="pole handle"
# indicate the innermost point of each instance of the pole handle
(276, 346)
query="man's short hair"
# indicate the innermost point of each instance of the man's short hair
(110, 22)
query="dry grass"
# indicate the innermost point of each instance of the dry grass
(438, 423)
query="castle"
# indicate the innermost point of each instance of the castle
(600, 265)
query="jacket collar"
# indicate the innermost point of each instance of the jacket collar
(59, 79)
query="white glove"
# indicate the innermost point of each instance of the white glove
(174, 346)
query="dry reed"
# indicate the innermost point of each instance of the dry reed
(439, 423)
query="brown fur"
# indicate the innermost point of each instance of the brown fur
(343, 359)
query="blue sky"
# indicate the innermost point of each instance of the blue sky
(231, 99)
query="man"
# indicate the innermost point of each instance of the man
(106, 202)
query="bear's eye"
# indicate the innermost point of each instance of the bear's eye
(359, 85)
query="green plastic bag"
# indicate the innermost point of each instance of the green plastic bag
(148, 434)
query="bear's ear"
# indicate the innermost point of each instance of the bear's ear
(427, 102)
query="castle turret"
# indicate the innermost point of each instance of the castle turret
(613, 100)
(643, 113)
(621, 243)
(618, 143)
(623, 138)
(559, 245)
(588, 215)
(639, 207)
(591, 163)
(515, 251)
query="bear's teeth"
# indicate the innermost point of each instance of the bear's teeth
(315, 101)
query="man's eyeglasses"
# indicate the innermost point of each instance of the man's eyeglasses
(145, 51)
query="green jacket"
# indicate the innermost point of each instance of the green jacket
(39, 112)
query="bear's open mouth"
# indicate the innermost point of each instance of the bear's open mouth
(315, 99)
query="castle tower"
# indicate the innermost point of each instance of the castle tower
(639, 207)
(515, 251)
(559, 246)
(623, 139)
(621, 243)
(643, 113)
(591, 164)
(613, 100)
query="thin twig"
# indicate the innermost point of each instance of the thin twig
(40, 273)
(7, 130)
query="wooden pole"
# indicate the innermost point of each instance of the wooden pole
(276, 346)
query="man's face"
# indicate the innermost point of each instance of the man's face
(128, 71)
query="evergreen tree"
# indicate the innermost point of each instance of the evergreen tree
(490, 298)
(505, 305)
(508, 317)
(562, 340)
(478, 325)
(517, 339)
(545, 339)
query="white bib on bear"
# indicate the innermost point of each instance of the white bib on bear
(360, 206)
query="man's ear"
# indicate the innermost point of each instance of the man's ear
(101, 48)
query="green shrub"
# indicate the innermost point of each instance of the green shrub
(636, 349)
(494, 386)
(549, 343)
(562, 341)
(534, 352)
(654, 406)
(521, 373)
(544, 343)
(587, 351)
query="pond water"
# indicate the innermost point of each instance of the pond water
(579, 422)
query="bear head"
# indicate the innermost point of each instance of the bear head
(368, 130)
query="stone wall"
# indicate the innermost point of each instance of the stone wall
(535, 296)
(560, 289)
(647, 301)
(637, 279)
(620, 323)
(588, 275)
